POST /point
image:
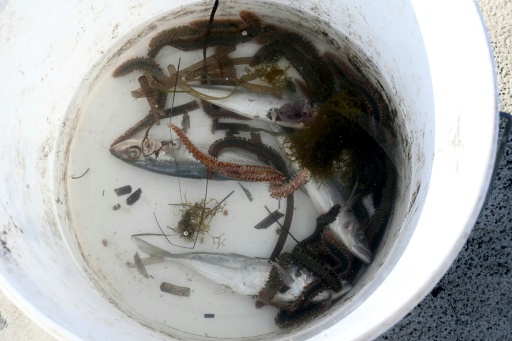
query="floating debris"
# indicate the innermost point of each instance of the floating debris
(174, 289)
(78, 177)
(246, 191)
(140, 267)
(132, 199)
(123, 190)
(195, 219)
(269, 220)
(104, 242)
(116, 207)
(185, 122)
(209, 316)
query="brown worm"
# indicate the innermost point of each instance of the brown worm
(283, 190)
(271, 156)
(216, 112)
(189, 38)
(141, 64)
(383, 213)
(232, 170)
(372, 100)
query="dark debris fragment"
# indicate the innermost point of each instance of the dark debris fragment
(132, 199)
(174, 289)
(269, 220)
(123, 190)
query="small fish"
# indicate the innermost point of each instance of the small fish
(244, 275)
(352, 233)
(346, 226)
(171, 158)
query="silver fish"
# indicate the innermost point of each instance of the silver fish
(346, 226)
(172, 158)
(244, 275)
(325, 195)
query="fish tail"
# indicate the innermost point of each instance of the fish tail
(150, 249)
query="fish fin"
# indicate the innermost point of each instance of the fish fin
(150, 249)
(285, 275)
(353, 196)
(145, 262)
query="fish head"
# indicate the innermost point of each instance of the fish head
(356, 239)
(134, 150)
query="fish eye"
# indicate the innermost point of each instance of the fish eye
(134, 152)
(361, 237)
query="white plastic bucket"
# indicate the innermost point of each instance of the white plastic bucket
(440, 75)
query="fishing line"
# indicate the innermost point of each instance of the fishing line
(170, 119)
(176, 165)
(152, 234)
(227, 196)
(208, 30)
(165, 235)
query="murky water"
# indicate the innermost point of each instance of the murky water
(103, 222)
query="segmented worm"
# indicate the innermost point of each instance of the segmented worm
(216, 112)
(255, 24)
(343, 256)
(269, 53)
(287, 319)
(141, 64)
(302, 54)
(274, 282)
(238, 127)
(271, 156)
(382, 215)
(282, 190)
(316, 267)
(314, 72)
(328, 217)
(187, 38)
(372, 100)
(274, 34)
(233, 170)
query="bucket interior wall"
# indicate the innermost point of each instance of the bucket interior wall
(44, 275)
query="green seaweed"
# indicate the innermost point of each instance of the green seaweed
(332, 144)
